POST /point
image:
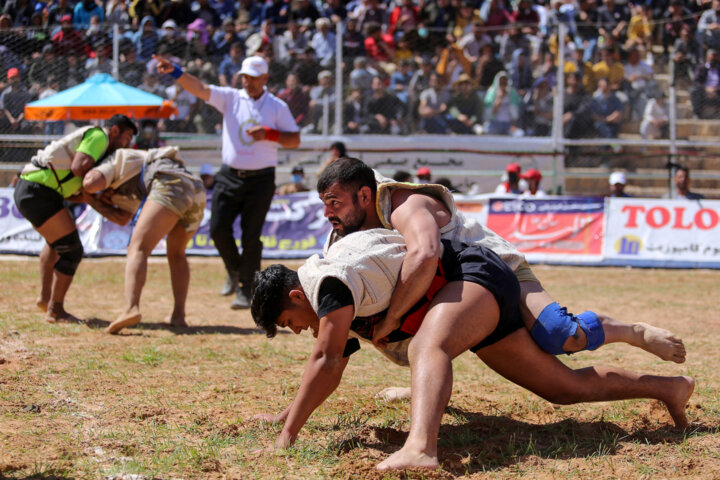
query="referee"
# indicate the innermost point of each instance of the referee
(255, 124)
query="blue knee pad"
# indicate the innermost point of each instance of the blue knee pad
(555, 325)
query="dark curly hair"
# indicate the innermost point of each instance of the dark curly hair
(270, 291)
(349, 172)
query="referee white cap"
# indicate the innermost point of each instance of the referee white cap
(254, 66)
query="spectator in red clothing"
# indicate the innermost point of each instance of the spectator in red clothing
(297, 100)
(493, 14)
(69, 41)
(526, 17)
(379, 46)
(404, 17)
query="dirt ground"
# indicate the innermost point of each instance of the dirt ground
(157, 402)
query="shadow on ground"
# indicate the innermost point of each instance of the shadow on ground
(98, 323)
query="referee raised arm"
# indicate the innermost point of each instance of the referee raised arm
(255, 124)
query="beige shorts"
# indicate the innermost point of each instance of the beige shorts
(183, 195)
(524, 274)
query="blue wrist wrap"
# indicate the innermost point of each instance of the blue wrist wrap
(177, 71)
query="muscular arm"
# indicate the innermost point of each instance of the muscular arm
(418, 218)
(81, 163)
(189, 82)
(109, 211)
(322, 373)
(94, 181)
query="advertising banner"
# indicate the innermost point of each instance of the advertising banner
(651, 232)
(557, 230)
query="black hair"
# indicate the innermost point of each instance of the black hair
(402, 176)
(684, 169)
(123, 122)
(340, 147)
(349, 172)
(270, 291)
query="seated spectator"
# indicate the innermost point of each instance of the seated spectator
(675, 19)
(355, 113)
(173, 39)
(640, 28)
(296, 183)
(520, 72)
(472, 42)
(433, 107)
(146, 39)
(186, 105)
(708, 27)
(95, 34)
(264, 36)
(510, 40)
(577, 119)
(380, 47)
(198, 38)
(423, 176)
(511, 181)
(131, 68)
(681, 179)
(533, 178)
(361, 75)
(68, 41)
(402, 176)
(305, 9)
(99, 61)
(324, 88)
(465, 15)
(704, 93)
(613, 20)
(686, 54)
(403, 50)
(306, 68)
(610, 69)
(205, 12)
(224, 38)
(503, 107)
(12, 104)
(151, 84)
(248, 14)
(487, 67)
(75, 71)
(179, 11)
(404, 17)
(84, 11)
(353, 42)
(57, 11)
(655, 118)
(117, 14)
(292, 42)
(140, 9)
(606, 111)
(323, 42)
(617, 183)
(335, 11)
(578, 64)
(465, 108)
(539, 108)
(386, 111)
(638, 81)
(230, 64)
(586, 35)
(296, 99)
(370, 11)
(400, 80)
(46, 65)
(494, 14)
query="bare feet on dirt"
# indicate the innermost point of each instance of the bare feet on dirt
(677, 400)
(408, 458)
(42, 304)
(660, 342)
(127, 319)
(56, 314)
(177, 320)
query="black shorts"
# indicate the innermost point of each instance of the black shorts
(484, 267)
(36, 202)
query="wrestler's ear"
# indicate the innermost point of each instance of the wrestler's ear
(364, 196)
(297, 295)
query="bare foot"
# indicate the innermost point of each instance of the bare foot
(393, 394)
(679, 395)
(127, 319)
(42, 304)
(404, 458)
(660, 342)
(177, 320)
(56, 314)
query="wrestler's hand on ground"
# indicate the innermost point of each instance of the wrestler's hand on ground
(382, 330)
(285, 440)
(257, 132)
(163, 66)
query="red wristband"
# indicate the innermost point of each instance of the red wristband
(271, 134)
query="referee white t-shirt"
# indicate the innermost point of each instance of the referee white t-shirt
(240, 112)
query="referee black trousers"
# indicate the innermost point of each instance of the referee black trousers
(250, 198)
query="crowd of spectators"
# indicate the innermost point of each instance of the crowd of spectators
(466, 67)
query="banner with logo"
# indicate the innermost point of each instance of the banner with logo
(675, 233)
(557, 230)
(294, 228)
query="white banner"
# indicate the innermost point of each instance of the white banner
(673, 233)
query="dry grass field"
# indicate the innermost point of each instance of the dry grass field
(161, 403)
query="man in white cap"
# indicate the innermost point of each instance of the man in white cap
(255, 125)
(617, 185)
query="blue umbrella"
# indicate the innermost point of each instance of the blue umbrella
(99, 98)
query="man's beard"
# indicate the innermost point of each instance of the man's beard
(350, 225)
